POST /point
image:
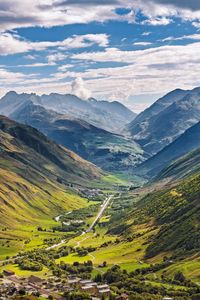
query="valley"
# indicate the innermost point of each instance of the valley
(91, 211)
(110, 242)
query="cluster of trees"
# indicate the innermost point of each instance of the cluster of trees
(27, 264)
(83, 270)
(134, 285)
(35, 260)
(76, 227)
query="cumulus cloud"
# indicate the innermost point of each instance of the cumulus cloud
(79, 89)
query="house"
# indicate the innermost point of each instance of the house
(105, 293)
(102, 286)
(90, 289)
(8, 272)
(73, 282)
(85, 282)
(103, 290)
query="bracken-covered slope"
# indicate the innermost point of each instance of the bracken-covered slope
(187, 142)
(36, 175)
(110, 151)
(166, 120)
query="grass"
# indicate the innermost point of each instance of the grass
(129, 255)
(189, 267)
(27, 237)
(25, 273)
(114, 179)
(166, 285)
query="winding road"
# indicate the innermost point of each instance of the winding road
(99, 215)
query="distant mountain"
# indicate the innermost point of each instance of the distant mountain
(187, 142)
(110, 151)
(111, 116)
(38, 178)
(166, 119)
(185, 166)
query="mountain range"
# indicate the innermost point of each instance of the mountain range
(108, 134)
(111, 116)
(164, 121)
(110, 151)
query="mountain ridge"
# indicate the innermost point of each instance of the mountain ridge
(166, 120)
(111, 116)
(188, 141)
(110, 151)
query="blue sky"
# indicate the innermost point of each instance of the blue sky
(132, 51)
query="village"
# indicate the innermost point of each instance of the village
(52, 288)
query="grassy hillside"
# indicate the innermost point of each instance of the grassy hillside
(186, 165)
(36, 176)
(175, 212)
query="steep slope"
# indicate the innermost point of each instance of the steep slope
(166, 119)
(185, 166)
(187, 142)
(36, 176)
(174, 214)
(111, 116)
(156, 108)
(110, 151)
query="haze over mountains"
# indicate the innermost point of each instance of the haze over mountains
(89, 128)
(186, 143)
(166, 120)
(111, 116)
(110, 151)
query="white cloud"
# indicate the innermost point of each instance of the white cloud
(8, 77)
(158, 21)
(65, 67)
(36, 65)
(13, 44)
(146, 33)
(142, 44)
(53, 58)
(29, 56)
(149, 71)
(48, 13)
(79, 89)
(196, 24)
(184, 37)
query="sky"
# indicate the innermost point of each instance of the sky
(133, 51)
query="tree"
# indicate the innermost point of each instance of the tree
(179, 276)
(98, 278)
(104, 264)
